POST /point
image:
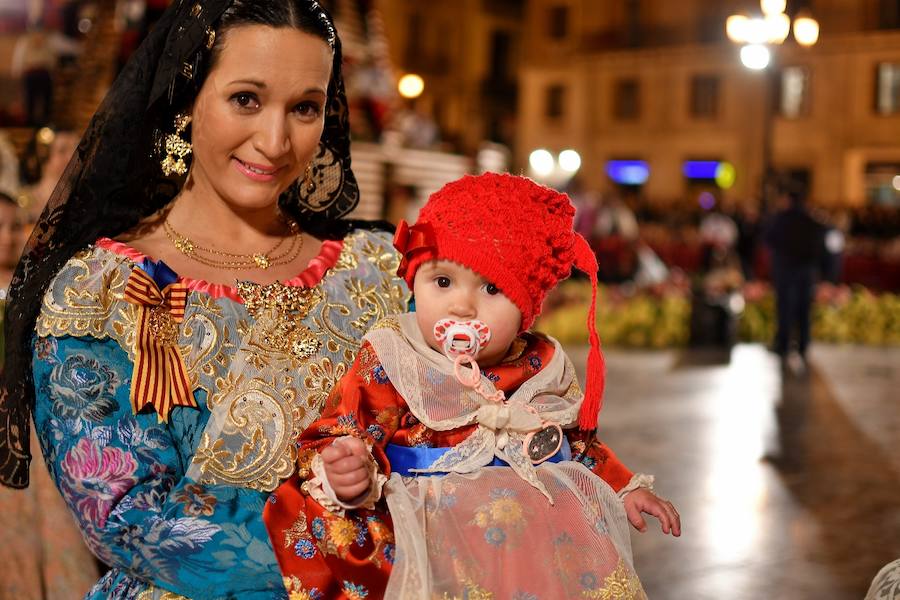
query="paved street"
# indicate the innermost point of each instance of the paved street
(788, 485)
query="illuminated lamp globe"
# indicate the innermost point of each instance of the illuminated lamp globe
(806, 30)
(772, 7)
(569, 161)
(757, 31)
(755, 56)
(778, 27)
(541, 162)
(736, 28)
(411, 86)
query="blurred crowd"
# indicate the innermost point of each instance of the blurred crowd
(718, 256)
(27, 181)
(638, 242)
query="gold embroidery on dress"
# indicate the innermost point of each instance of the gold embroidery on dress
(295, 589)
(304, 462)
(206, 338)
(386, 259)
(573, 391)
(621, 584)
(347, 259)
(472, 591)
(387, 323)
(297, 531)
(321, 379)
(262, 423)
(83, 306)
(516, 350)
(151, 594)
(280, 310)
(382, 537)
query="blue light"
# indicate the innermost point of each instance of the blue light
(628, 172)
(700, 169)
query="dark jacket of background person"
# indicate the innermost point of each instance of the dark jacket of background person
(796, 239)
(797, 242)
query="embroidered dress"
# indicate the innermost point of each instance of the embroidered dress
(470, 526)
(175, 505)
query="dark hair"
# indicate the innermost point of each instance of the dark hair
(273, 14)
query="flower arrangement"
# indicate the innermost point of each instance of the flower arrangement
(659, 317)
(626, 316)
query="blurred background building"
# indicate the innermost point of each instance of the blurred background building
(659, 84)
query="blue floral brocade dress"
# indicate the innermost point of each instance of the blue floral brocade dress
(175, 506)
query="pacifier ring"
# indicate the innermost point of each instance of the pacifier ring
(461, 337)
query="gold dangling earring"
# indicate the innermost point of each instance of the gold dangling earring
(177, 148)
(308, 181)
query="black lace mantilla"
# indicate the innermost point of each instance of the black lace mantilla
(114, 181)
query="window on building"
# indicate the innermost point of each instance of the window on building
(883, 184)
(500, 51)
(414, 45)
(555, 100)
(709, 22)
(704, 96)
(889, 14)
(627, 100)
(558, 22)
(887, 91)
(793, 93)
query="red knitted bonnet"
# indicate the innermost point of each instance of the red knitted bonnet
(518, 235)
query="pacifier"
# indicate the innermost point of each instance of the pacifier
(461, 337)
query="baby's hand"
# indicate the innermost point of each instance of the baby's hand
(643, 500)
(346, 465)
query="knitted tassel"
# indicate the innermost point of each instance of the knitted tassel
(586, 261)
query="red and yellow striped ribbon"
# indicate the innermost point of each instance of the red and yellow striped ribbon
(160, 377)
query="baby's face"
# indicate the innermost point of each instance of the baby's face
(444, 289)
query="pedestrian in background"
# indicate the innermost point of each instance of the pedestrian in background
(796, 241)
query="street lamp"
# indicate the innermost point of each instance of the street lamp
(758, 35)
(553, 170)
(411, 86)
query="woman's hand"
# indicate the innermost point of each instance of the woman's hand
(643, 500)
(346, 463)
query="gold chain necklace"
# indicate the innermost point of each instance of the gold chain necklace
(234, 261)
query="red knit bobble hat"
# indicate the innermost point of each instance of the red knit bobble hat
(518, 235)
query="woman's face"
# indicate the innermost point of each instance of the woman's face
(258, 118)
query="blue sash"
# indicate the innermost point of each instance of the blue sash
(404, 458)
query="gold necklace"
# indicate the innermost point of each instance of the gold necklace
(234, 261)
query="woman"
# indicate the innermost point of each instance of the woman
(46, 158)
(166, 396)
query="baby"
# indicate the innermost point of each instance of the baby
(433, 475)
